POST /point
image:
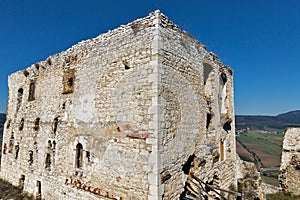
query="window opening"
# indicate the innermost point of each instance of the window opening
(54, 145)
(227, 126)
(49, 61)
(21, 126)
(68, 81)
(26, 73)
(19, 98)
(78, 161)
(17, 149)
(31, 90)
(208, 76)
(224, 77)
(126, 66)
(88, 156)
(55, 125)
(37, 124)
(208, 120)
(21, 181)
(64, 106)
(48, 161)
(30, 160)
(8, 124)
(11, 144)
(39, 190)
(49, 144)
(222, 150)
(4, 148)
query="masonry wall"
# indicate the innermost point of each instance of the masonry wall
(106, 111)
(188, 97)
(289, 179)
(130, 114)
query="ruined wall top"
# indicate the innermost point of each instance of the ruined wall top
(76, 52)
(291, 140)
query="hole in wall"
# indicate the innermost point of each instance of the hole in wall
(227, 126)
(208, 120)
(126, 65)
(188, 164)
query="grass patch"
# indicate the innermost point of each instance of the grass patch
(270, 180)
(281, 196)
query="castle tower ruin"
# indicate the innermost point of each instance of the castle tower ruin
(135, 113)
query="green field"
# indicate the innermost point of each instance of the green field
(270, 177)
(267, 146)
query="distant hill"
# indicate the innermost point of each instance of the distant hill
(293, 116)
(268, 123)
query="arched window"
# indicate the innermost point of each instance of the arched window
(78, 158)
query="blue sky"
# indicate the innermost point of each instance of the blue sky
(260, 40)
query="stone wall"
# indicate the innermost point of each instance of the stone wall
(129, 114)
(187, 135)
(289, 178)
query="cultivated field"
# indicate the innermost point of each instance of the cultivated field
(267, 146)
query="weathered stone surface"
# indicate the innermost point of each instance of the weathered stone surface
(119, 116)
(250, 182)
(289, 178)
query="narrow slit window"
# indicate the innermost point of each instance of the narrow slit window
(88, 156)
(17, 149)
(55, 124)
(21, 126)
(222, 150)
(48, 161)
(208, 120)
(30, 160)
(36, 124)
(39, 190)
(31, 91)
(78, 158)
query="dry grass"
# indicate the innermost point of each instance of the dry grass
(10, 192)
